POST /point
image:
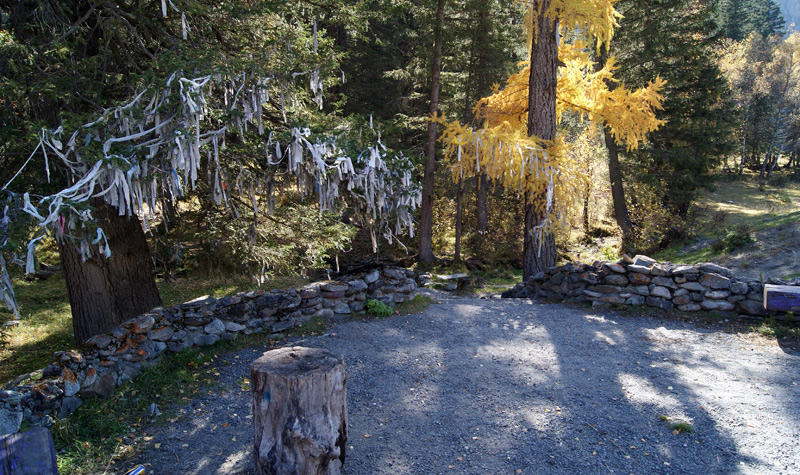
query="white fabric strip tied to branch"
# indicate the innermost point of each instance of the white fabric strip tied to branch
(146, 142)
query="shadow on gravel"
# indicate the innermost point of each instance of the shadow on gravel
(546, 389)
(509, 386)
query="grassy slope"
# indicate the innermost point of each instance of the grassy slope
(736, 204)
(46, 321)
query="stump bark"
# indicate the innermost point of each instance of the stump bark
(299, 412)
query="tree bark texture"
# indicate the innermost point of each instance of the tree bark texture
(617, 191)
(105, 292)
(426, 208)
(299, 412)
(539, 252)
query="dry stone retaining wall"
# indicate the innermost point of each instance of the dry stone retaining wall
(109, 360)
(643, 281)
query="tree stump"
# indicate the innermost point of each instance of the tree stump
(299, 412)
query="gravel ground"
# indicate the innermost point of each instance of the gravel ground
(490, 386)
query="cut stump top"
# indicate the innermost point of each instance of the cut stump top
(296, 360)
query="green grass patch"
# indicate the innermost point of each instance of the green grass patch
(772, 328)
(378, 309)
(418, 304)
(46, 319)
(315, 326)
(103, 430)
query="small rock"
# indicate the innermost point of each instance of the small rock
(660, 292)
(68, 406)
(682, 300)
(99, 341)
(611, 298)
(721, 305)
(308, 292)
(639, 269)
(717, 294)
(693, 286)
(739, 288)
(689, 307)
(639, 278)
(357, 285)
(372, 277)
(642, 260)
(162, 333)
(636, 300)
(216, 327)
(616, 279)
(234, 327)
(207, 340)
(102, 386)
(615, 268)
(715, 281)
(665, 282)
(715, 269)
(607, 289)
(660, 270)
(140, 324)
(341, 308)
(278, 327)
(71, 384)
(683, 270)
(335, 287)
(659, 303)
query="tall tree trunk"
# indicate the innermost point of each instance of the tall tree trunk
(105, 292)
(744, 140)
(426, 208)
(480, 39)
(459, 218)
(539, 249)
(481, 205)
(621, 214)
(617, 191)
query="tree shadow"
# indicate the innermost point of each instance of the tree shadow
(511, 386)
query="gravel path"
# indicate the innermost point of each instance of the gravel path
(490, 386)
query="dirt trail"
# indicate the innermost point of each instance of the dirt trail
(479, 386)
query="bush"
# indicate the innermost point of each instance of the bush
(740, 235)
(376, 308)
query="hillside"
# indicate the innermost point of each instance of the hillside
(791, 12)
(752, 228)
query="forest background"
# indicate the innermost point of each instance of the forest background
(359, 78)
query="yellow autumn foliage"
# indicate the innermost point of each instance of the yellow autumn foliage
(502, 148)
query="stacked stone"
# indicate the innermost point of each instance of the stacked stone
(106, 361)
(643, 281)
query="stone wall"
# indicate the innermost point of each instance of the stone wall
(109, 360)
(643, 281)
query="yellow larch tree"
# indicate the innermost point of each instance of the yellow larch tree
(517, 145)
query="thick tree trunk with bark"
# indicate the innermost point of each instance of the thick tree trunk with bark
(105, 292)
(299, 412)
(426, 208)
(539, 249)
